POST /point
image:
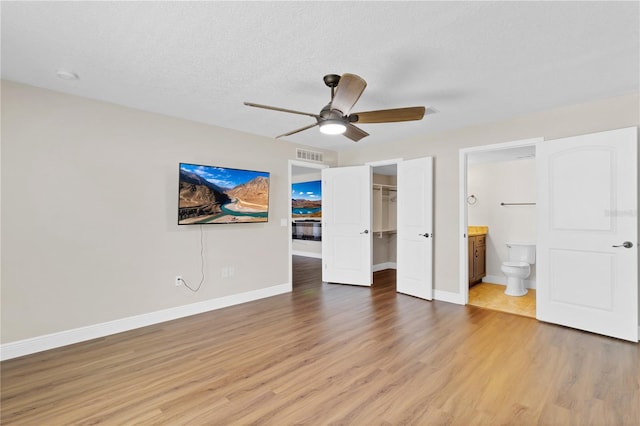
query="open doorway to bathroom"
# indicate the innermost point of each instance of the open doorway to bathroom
(498, 213)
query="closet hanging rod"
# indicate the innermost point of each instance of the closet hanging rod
(517, 204)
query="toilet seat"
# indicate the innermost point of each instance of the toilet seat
(515, 264)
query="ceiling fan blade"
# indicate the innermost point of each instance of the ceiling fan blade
(281, 109)
(348, 91)
(297, 130)
(354, 133)
(390, 115)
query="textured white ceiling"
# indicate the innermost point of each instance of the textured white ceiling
(474, 62)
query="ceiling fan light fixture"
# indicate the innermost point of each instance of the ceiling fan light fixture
(335, 118)
(333, 127)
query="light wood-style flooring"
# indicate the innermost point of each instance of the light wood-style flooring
(332, 354)
(491, 296)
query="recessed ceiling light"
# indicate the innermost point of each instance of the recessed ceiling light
(67, 75)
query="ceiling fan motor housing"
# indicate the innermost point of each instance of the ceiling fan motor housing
(328, 113)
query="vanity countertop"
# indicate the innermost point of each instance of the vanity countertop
(478, 230)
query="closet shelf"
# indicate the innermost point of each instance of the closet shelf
(379, 186)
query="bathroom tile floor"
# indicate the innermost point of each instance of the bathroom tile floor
(491, 296)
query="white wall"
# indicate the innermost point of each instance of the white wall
(495, 183)
(89, 212)
(89, 200)
(590, 117)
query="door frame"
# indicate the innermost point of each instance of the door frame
(292, 164)
(390, 162)
(463, 207)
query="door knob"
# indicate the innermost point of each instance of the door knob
(626, 244)
(426, 235)
(366, 231)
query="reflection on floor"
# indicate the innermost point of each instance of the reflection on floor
(491, 296)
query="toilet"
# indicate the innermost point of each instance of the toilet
(518, 267)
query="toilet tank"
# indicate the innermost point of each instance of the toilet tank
(522, 252)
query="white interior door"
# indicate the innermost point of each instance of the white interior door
(414, 275)
(346, 225)
(587, 213)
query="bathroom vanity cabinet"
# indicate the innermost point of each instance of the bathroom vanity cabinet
(477, 258)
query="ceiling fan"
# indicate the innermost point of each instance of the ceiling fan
(335, 118)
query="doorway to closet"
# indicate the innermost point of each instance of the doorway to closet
(384, 203)
(348, 205)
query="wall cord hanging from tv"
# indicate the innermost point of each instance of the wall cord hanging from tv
(201, 265)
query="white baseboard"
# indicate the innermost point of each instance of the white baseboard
(383, 266)
(502, 280)
(495, 279)
(306, 254)
(68, 337)
(447, 296)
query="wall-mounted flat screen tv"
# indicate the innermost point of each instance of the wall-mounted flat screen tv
(210, 194)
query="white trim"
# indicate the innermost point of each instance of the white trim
(447, 296)
(383, 266)
(502, 145)
(306, 254)
(463, 221)
(495, 279)
(462, 202)
(502, 280)
(55, 340)
(383, 162)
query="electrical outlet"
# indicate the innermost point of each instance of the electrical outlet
(178, 280)
(227, 272)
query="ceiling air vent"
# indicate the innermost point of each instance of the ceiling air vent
(304, 154)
